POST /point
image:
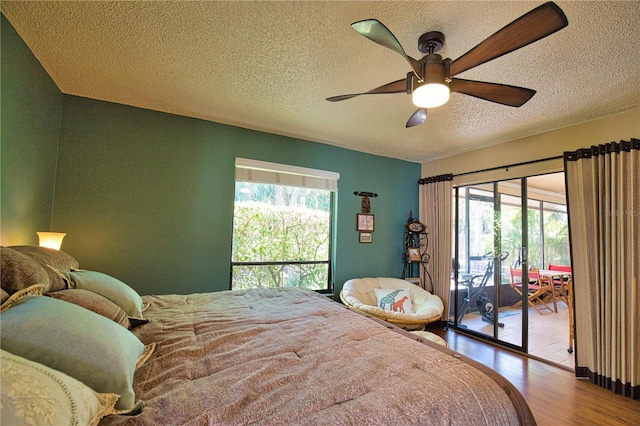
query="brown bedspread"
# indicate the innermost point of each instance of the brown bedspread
(288, 356)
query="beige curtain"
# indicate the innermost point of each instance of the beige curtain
(435, 213)
(603, 196)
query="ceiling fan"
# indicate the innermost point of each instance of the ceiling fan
(430, 80)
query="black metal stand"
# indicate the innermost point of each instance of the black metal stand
(415, 256)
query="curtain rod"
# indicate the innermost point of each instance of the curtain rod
(510, 165)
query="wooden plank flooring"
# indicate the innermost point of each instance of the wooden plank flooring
(554, 394)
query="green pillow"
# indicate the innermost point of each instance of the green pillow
(80, 343)
(111, 288)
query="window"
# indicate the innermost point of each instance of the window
(282, 226)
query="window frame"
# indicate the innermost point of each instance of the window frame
(260, 172)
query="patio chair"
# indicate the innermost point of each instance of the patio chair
(560, 287)
(537, 289)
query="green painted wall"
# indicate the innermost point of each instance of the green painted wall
(31, 106)
(148, 197)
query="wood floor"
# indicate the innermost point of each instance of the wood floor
(555, 396)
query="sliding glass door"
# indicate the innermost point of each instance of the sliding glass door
(503, 229)
(487, 242)
(492, 241)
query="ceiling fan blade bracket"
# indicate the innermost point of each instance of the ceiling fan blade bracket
(413, 83)
(417, 67)
(447, 70)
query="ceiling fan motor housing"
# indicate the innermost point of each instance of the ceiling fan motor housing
(432, 88)
(433, 70)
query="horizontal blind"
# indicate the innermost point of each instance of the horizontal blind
(282, 174)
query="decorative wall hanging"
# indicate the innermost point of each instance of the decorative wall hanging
(365, 222)
(366, 201)
(366, 237)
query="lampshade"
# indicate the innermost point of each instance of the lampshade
(51, 239)
(430, 95)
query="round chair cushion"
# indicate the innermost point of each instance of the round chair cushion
(359, 294)
(427, 335)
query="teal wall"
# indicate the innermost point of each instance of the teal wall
(31, 107)
(148, 197)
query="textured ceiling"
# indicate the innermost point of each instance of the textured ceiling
(270, 65)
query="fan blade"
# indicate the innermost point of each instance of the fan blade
(417, 118)
(499, 93)
(375, 31)
(530, 27)
(398, 86)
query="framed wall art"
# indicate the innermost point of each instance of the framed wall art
(366, 237)
(414, 254)
(365, 222)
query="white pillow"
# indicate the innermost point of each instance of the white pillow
(394, 299)
(35, 394)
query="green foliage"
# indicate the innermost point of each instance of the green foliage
(556, 238)
(286, 225)
(267, 233)
(508, 232)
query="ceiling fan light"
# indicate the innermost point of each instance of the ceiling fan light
(431, 95)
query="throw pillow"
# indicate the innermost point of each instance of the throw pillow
(394, 299)
(19, 271)
(34, 394)
(80, 343)
(94, 302)
(111, 288)
(54, 262)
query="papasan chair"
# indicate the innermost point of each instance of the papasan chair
(413, 307)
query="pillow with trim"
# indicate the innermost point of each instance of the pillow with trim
(111, 288)
(394, 299)
(53, 262)
(94, 302)
(80, 343)
(34, 290)
(56, 258)
(35, 394)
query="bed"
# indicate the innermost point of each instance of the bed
(277, 356)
